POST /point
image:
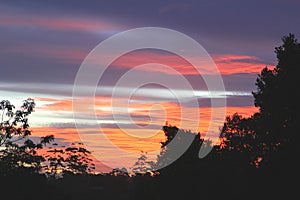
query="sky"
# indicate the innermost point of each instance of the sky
(43, 44)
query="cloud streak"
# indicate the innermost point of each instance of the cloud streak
(231, 64)
(226, 63)
(59, 23)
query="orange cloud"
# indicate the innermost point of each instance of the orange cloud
(130, 139)
(55, 104)
(141, 112)
(68, 134)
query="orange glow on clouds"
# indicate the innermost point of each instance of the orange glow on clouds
(129, 139)
(139, 113)
(230, 64)
(227, 64)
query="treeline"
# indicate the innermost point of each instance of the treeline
(257, 158)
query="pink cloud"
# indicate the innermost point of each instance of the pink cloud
(226, 63)
(136, 58)
(58, 23)
(230, 64)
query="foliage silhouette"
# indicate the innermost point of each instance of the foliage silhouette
(143, 165)
(272, 130)
(277, 92)
(73, 159)
(18, 151)
(168, 152)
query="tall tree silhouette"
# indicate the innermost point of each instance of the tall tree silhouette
(277, 91)
(271, 131)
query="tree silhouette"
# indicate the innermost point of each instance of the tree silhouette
(272, 130)
(74, 159)
(18, 151)
(169, 152)
(240, 142)
(277, 92)
(143, 165)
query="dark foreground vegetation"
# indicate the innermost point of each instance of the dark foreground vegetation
(257, 159)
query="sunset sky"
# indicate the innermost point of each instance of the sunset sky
(43, 43)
